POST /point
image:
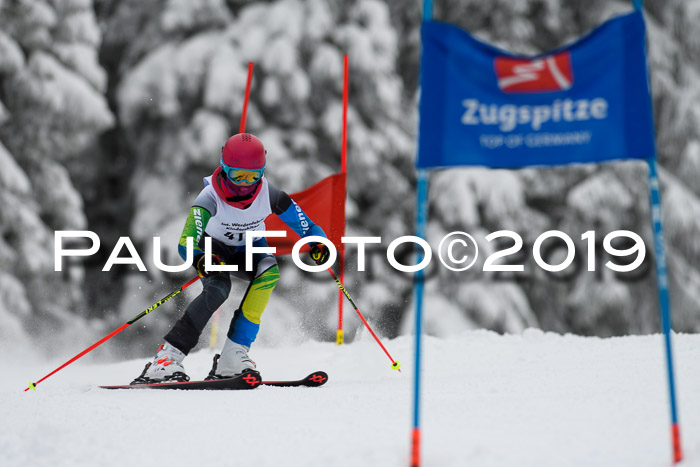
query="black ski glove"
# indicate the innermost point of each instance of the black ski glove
(319, 253)
(201, 270)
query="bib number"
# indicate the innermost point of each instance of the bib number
(232, 236)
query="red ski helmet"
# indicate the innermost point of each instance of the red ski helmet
(244, 151)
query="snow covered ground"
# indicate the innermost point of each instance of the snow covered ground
(535, 399)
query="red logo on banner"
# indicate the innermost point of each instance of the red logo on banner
(544, 74)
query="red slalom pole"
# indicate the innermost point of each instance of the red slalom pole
(344, 149)
(115, 332)
(247, 97)
(395, 365)
(343, 168)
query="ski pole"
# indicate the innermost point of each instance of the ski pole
(395, 365)
(115, 332)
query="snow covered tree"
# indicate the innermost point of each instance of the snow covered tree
(112, 112)
(51, 107)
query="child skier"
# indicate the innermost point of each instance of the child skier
(236, 198)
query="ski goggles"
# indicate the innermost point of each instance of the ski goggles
(242, 176)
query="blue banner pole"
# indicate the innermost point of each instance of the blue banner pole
(419, 279)
(662, 284)
(664, 306)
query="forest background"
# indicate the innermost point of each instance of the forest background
(112, 111)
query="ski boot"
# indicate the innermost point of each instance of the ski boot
(233, 361)
(165, 367)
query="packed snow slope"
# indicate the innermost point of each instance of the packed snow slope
(535, 399)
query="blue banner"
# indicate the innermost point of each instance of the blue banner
(588, 102)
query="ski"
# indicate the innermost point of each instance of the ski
(249, 380)
(315, 379)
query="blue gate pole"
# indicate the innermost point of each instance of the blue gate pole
(419, 279)
(664, 306)
(662, 284)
